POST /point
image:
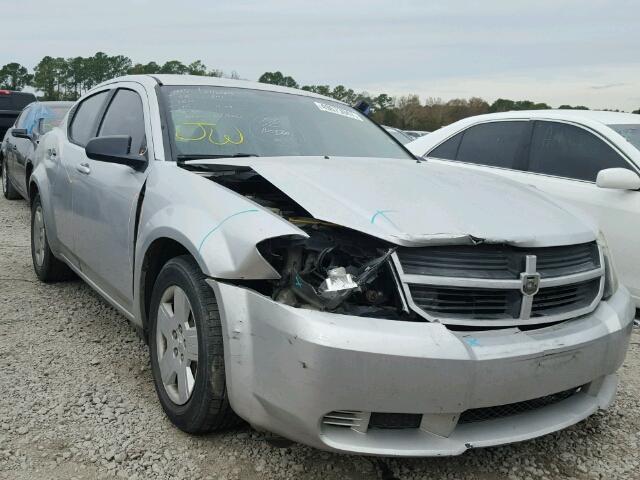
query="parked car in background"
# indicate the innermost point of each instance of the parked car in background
(590, 159)
(398, 134)
(415, 133)
(11, 104)
(20, 143)
(289, 262)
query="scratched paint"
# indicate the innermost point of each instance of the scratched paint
(383, 214)
(222, 222)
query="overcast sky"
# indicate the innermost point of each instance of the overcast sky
(557, 51)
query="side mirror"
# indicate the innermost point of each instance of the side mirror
(618, 178)
(363, 107)
(114, 149)
(20, 133)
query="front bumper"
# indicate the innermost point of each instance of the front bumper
(287, 368)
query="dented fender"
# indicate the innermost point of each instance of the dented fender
(218, 227)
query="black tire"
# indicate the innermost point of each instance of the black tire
(8, 190)
(47, 267)
(207, 409)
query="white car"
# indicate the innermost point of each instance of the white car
(590, 159)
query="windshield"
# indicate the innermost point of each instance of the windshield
(631, 132)
(208, 121)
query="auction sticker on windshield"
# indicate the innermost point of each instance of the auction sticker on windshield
(338, 111)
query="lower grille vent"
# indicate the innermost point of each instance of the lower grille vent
(346, 419)
(501, 411)
(395, 420)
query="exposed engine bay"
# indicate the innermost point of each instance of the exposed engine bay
(336, 269)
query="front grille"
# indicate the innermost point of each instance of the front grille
(497, 261)
(567, 260)
(502, 411)
(391, 421)
(500, 284)
(466, 302)
(556, 299)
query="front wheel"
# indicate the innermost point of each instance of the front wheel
(187, 354)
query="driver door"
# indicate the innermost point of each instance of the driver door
(105, 199)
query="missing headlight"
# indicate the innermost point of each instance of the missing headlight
(335, 269)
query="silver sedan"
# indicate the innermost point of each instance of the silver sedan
(292, 265)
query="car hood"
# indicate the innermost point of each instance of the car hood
(411, 203)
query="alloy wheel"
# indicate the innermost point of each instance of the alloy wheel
(177, 345)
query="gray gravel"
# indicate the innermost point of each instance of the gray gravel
(78, 402)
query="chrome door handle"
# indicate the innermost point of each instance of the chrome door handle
(51, 152)
(84, 168)
(15, 147)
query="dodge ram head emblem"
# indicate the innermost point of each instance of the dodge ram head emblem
(530, 283)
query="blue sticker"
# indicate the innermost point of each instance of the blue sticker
(298, 281)
(472, 342)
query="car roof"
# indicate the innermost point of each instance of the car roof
(195, 80)
(600, 116)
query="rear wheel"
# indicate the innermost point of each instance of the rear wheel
(47, 267)
(187, 353)
(9, 192)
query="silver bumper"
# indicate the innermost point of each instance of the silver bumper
(287, 368)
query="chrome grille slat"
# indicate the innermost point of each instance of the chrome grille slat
(481, 285)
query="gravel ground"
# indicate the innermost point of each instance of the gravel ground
(78, 402)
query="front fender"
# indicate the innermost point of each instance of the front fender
(218, 227)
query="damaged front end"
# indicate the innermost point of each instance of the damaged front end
(337, 270)
(334, 269)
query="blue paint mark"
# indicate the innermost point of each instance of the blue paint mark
(298, 281)
(383, 213)
(220, 224)
(472, 342)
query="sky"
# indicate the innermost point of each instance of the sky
(578, 52)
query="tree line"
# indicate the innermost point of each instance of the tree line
(58, 78)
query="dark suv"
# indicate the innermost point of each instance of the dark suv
(11, 104)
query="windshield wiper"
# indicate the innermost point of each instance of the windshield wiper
(186, 158)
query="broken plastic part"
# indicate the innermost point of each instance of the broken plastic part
(337, 281)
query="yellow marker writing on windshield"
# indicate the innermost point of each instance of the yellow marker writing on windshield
(203, 127)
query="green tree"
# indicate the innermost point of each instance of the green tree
(277, 78)
(147, 68)
(197, 68)
(175, 67)
(44, 78)
(14, 76)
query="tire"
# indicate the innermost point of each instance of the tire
(194, 396)
(47, 267)
(8, 190)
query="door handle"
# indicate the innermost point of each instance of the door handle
(15, 147)
(83, 168)
(51, 152)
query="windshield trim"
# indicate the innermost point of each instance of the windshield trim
(168, 130)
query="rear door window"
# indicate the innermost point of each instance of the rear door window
(496, 144)
(449, 149)
(564, 150)
(86, 117)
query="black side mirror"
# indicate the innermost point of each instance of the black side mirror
(20, 133)
(114, 149)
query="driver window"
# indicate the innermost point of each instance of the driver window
(125, 117)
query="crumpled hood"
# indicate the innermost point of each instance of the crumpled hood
(410, 203)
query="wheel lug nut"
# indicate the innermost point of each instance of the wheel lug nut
(181, 357)
(174, 334)
(175, 352)
(180, 328)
